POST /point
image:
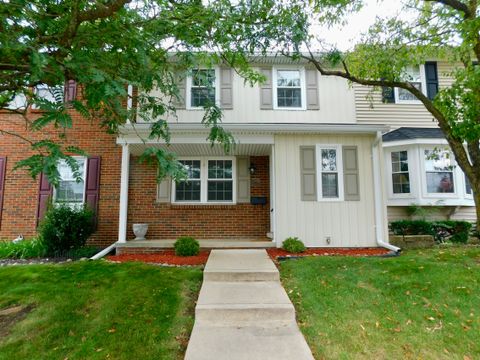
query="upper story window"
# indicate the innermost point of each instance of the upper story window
(289, 92)
(329, 172)
(416, 76)
(400, 173)
(210, 180)
(439, 171)
(202, 88)
(70, 190)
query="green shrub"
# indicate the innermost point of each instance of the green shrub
(412, 227)
(65, 228)
(186, 246)
(293, 245)
(25, 249)
(455, 231)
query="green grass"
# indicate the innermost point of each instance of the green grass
(25, 249)
(421, 305)
(98, 310)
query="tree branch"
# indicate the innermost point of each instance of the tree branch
(454, 4)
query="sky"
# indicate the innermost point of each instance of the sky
(344, 37)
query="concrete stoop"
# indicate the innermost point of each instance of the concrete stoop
(243, 312)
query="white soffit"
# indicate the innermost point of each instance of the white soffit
(205, 149)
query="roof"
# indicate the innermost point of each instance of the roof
(409, 133)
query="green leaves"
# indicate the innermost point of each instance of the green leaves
(166, 162)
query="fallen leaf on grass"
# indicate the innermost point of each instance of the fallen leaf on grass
(112, 330)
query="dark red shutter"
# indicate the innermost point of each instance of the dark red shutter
(70, 90)
(92, 186)
(44, 197)
(3, 170)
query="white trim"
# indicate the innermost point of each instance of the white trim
(123, 211)
(423, 81)
(423, 171)
(303, 87)
(204, 181)
(339, 160)
(73, 204)
(188, 89)
(272, 194)
(415, 142)
(411, 156)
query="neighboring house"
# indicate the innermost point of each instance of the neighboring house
(309, 163)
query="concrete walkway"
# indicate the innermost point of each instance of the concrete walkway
(243, 312)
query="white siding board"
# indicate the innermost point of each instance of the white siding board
(349, 223)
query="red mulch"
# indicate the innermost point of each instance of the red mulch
(275, 253)
(166, 257)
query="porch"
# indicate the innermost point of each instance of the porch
(226, 203)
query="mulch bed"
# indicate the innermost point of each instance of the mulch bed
(166, 257)
(280, 253)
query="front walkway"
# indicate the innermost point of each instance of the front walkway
(243, 312)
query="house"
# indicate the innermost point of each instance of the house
(308, 162)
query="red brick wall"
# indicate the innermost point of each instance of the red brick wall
(21, 191)
(169, 221)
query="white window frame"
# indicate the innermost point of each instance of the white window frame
(390, 172)
(188, 90)
(204, 182)
(303, 88)
(74, 204)
(466, 194)
(455, 174)
(50, 96)
(318, 156)
(423, 81)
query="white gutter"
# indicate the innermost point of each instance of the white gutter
(104, 252)
(378, 195)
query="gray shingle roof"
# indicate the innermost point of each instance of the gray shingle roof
(408, 133)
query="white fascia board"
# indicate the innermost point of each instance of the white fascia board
(415, 142)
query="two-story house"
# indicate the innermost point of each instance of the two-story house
(309, 162)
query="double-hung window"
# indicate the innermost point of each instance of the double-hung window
(439, 171)
(209, 180)
(400, 174)
(468, 186)
(202, 88)
(329, 175)
(416, 76)
(289, 92)
(71, 189)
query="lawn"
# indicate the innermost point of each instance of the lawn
(97, 310)
(421, 305)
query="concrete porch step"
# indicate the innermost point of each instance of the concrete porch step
(243, 302)
(240, 265)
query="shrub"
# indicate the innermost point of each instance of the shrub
(25, 249)
(65, 228)
(412, 227)
(293, 245)
(186, 246)
(455, 231)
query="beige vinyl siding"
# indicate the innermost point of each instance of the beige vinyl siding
(465, 213)
(371, 110)
(336, 106)
(348, 223)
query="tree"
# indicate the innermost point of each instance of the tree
(105, 46)
(428, 29)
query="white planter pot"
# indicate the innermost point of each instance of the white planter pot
(140, 230)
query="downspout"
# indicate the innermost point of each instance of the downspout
(104, 252)
(378, 196)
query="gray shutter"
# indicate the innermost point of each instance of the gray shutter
(181, 82)
(243, 179)
(266, 90)
(311, 79)
(308, 176)
(163, 191)
(431, 75)
(226, 92)
(350, 173)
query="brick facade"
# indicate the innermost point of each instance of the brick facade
(169, 221)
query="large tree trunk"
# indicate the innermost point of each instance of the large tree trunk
(476, 198)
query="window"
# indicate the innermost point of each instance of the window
(202, 88)
(189, 190)
(210, 180)
(220, 180)
(70, 190)
(400, 174)
(415, 75)
(329, 173)
(289, 90)
(468, 186)
(49, 94)
(439, 171)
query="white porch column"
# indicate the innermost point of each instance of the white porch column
(124, 174)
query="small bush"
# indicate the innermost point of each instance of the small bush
(186, 246)
(454, 231)
(293, 245)
(25, 249)
(412, 227)
(65, 228)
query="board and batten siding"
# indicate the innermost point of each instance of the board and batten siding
(336, 105)
(347, 223)
(371, 110)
